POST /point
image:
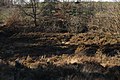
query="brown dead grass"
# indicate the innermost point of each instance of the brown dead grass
(95, 38)
(69, 59)
(83, 38)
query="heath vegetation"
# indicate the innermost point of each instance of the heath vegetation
(55, 40)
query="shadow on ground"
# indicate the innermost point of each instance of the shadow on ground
(35, 44)
(83, 71)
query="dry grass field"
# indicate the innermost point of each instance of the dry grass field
(65, 45)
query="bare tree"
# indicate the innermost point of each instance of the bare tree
(6, 2)
(1, 2)
(33, 5)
